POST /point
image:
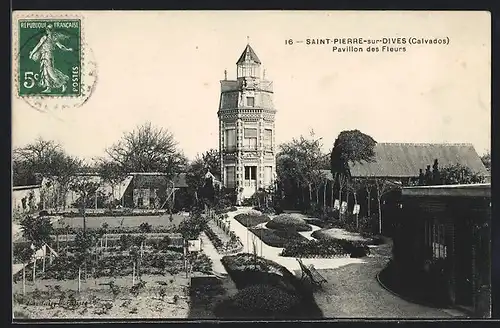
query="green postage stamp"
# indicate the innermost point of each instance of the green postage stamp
(49, 62)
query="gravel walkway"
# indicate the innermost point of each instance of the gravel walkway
(353, 291)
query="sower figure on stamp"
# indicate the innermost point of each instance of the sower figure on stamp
(50, 76)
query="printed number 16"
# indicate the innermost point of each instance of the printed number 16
(29, 79)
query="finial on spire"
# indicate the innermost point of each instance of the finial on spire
(264, 74)
(248, 39)
(225, 74)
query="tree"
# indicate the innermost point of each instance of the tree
(24, 253)
(351, 146)
(383, 187)
(37, 231)
(436, 177)
(111, 173)
(298, 166)
(198, 168)
(104, 228)
(148, 149)
(354, 186)
(84, 240)
(84, 187)
(144, 228)
(486, 159)
(459, 174)
(211, 160)
(45, 159)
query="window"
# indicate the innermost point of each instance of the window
(268, 171)
(230, 177)
(250, 141)
(268, 139)
(250, 172)
(250, 101)
(152, 201)
(435, 238)
(230, 139)
(140, 202)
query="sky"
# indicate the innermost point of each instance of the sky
(166, 67)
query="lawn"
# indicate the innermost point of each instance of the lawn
(277, 238)
(124, 221)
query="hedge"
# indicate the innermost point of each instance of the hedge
(326, 248)
(251, 220)
(277, 238)
(286, 222)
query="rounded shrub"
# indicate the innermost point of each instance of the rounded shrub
(287, 222)
(259, 301)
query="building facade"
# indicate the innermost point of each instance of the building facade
(445, 230)
(247, 128)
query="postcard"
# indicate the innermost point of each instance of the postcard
(251, 165)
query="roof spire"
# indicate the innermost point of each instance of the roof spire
(248, 39)
(225, 74)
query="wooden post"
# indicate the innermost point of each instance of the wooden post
(34, 268)
(79, 278)
(24, 278)
(43, 259)
(133, 274)
(324, 194)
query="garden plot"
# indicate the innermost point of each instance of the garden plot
(155, 297)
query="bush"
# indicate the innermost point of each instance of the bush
(326, 248)
(251, 220)
(287, 222)
(259, 301)
(277, 238)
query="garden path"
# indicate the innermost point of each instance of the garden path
(273, 253)
(210, 251)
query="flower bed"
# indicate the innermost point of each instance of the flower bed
(326, 249)
(279, 293)
(340, 234)
(226, 210)
(248, 269)
(251, 220)
(277, 238)
(224, 240)
(287, 222)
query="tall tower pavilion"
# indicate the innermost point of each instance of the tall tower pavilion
(246, 128)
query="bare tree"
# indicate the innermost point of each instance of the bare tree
(383, 186)
(147, 149)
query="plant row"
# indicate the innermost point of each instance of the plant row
(234, 244)
(112, 230)
(66, 266)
